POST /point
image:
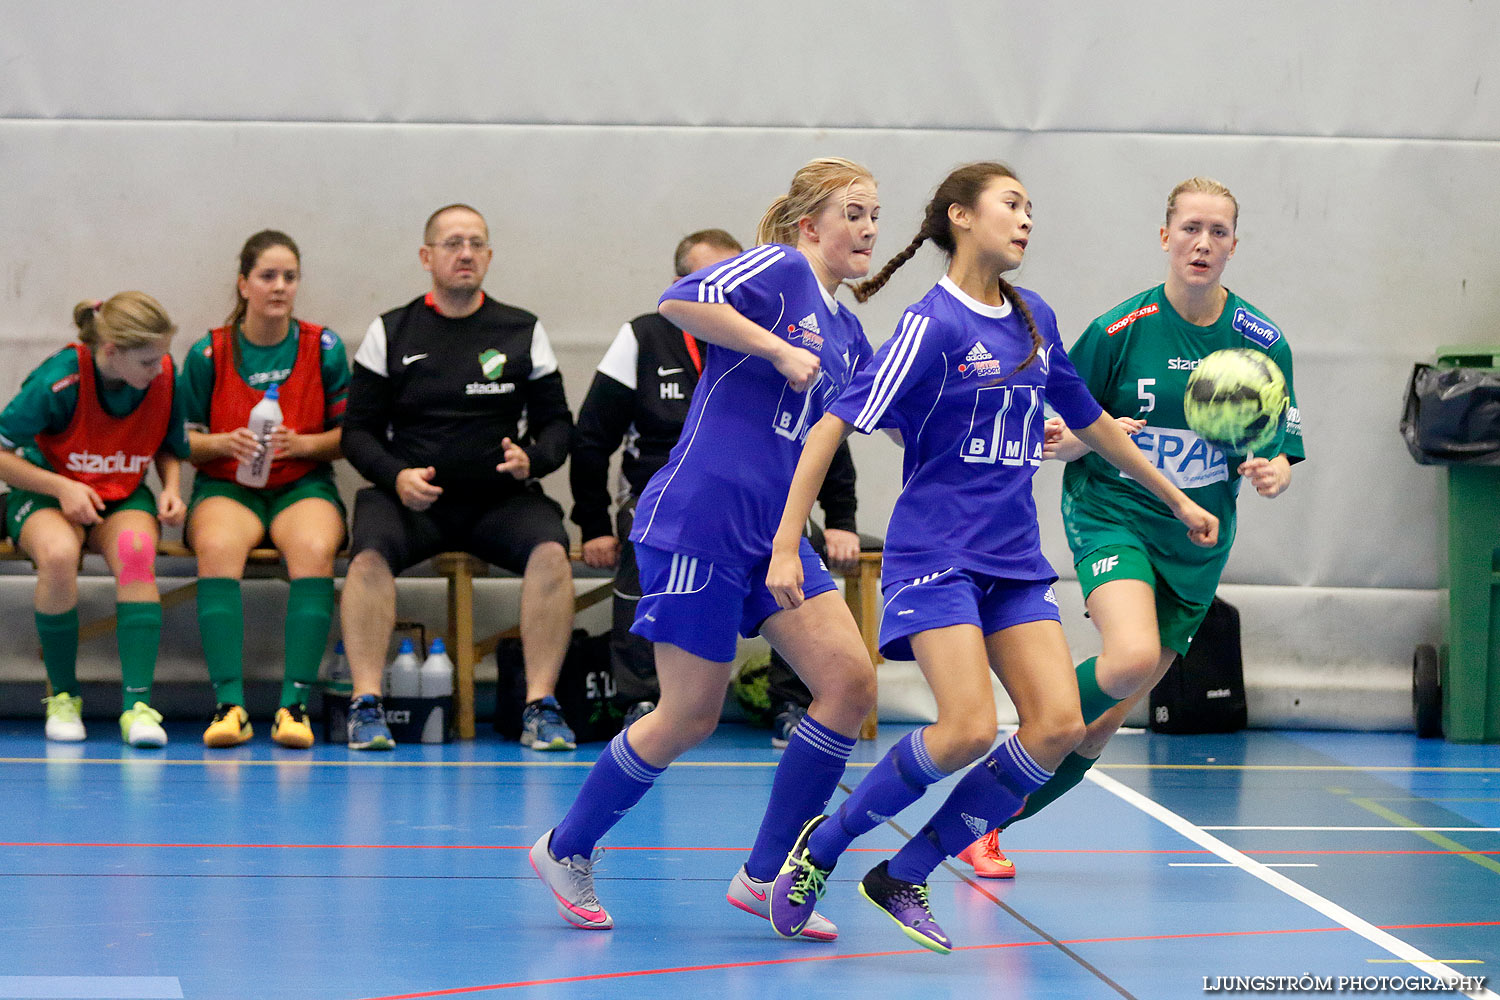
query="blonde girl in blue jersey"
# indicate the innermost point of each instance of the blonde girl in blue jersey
(781, 347)
(967, 588)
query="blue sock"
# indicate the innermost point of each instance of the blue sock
(992, 792)
(810, 768)
(615, 783)
(896, 782)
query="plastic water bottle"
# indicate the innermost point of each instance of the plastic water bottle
(436, 679)
(403, 672)
(337, 679)
(264, 418)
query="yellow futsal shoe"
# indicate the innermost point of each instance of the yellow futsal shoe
(291, 728)
(230, 728)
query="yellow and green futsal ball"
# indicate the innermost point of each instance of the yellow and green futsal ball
(1236, 399)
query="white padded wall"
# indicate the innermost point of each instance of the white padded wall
(140, 143)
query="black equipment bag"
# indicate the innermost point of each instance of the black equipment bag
(585, 689)
(1452, 416)
(1204, 692)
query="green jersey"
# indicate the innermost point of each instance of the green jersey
(1136, 360)
(259, 367)
(49, 396)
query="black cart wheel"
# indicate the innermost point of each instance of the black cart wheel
(1426, 692)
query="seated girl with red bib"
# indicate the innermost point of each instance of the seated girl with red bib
(77, 440)
(238, 503)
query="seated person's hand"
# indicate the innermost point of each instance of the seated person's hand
(416, 489)
(517, 462)
(843, 549)
(602, 552)
(170, 509)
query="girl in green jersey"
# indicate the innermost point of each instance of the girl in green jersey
(298, 508)
(1146, 593)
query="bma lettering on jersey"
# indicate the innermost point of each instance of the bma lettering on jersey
(1254, 328)
(492, 363)
(1184, 458)
(89, 463)
(1130, 318)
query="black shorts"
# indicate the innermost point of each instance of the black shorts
(501, 531)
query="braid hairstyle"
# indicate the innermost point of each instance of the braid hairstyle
(127, 319)
(813, 184)
(962, 187)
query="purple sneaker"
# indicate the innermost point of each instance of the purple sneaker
(798, 885)
(905, 903)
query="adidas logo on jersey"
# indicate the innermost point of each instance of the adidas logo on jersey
(978, 353)
(489, 388)
(807, 326)
(976, 825)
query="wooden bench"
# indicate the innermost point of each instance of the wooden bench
(862, 593)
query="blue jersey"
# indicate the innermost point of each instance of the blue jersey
(721, 493)
(972, 431)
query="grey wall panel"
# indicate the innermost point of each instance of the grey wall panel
(1367, 253)
(1280, 67)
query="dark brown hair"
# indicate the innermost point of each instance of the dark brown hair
(249, 254)
(962, 187)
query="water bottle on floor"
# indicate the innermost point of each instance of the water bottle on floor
(436, 681)
(401, 677)
(337, 680)
(264, 418)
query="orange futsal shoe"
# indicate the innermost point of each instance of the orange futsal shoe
(984, 854)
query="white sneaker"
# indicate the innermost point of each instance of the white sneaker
(140, 726)
(64, 722)
(754, 896)
(572, 883)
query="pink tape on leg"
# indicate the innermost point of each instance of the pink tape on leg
(137, 558)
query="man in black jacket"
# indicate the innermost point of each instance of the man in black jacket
(640, 396)
(456, 408)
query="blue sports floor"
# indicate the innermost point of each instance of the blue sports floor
(1183, 868)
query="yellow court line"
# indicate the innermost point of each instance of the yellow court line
(1438, 839)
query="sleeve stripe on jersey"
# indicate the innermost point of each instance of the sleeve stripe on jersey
(731, 275)
(893, 370)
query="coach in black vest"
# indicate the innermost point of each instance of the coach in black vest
(442, 389)
(640, 396)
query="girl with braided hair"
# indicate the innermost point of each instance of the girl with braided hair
(967, 589)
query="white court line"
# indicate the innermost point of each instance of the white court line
(1276, 880)
(1230, 864)
(1362, 829)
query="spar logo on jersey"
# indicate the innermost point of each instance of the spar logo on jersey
(1185, 459)
(1131, 317)
(1183, 364)
(979, 361)
(806, 330)
(87, 462)
(1255, 329)
(492, 363)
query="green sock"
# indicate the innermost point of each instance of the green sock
(1095, 701)
(1069, 773)
(221, 622)
(59, 635)
(309, 614)
(138, 630)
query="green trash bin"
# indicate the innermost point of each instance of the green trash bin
(1464, 677)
